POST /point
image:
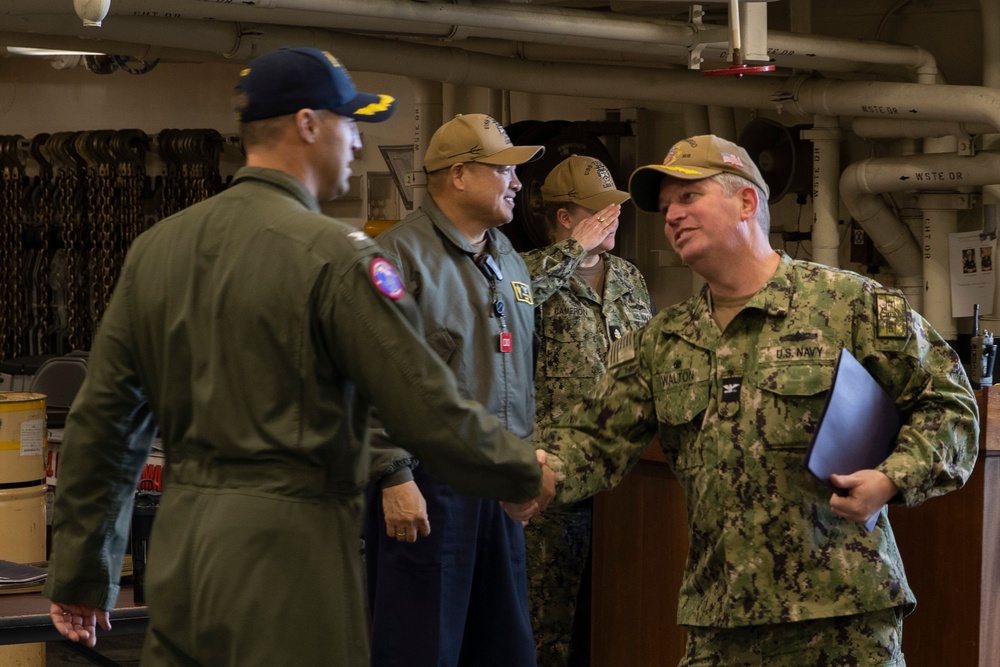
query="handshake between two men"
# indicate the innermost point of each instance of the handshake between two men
(405, 508)
(524, 512)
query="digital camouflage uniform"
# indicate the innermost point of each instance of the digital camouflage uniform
(574, 328)
(735, 412)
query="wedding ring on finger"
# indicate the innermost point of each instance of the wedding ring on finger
(600, 218)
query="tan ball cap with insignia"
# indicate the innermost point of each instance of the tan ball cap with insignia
(582, 180)
(475, 137)
(693, 159)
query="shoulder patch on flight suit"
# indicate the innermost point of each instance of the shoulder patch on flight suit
(386, 278)
(522, 292)
(360, 240)
(622, 350)
(891, 317)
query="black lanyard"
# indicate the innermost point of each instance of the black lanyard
(489, 268)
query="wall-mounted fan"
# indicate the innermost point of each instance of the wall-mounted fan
(784, 159)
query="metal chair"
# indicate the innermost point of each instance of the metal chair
(59, 378)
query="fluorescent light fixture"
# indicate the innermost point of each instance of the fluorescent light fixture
(31, 51)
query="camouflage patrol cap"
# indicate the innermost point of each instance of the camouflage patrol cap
(582, 180)
(693, 159)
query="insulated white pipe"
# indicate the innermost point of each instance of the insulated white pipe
(876, 128)
(938, 224)
(945, 173)
(428, 106)
(913, 286)
(825, 136)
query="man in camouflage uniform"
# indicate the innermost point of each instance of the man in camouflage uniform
(780, 570)
(585, 298)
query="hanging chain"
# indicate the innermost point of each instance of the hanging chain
(12, 290)
(75, 243)
(85, 208)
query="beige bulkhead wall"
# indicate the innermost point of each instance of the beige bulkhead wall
(37, 98)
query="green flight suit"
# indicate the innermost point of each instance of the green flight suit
(256, 333)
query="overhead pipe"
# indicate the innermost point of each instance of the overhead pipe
(798, 95)
(530, 23)
(604, 26)
(862, 182)
(524, 19)
(877, 128)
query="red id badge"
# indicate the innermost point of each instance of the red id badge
(506, 341)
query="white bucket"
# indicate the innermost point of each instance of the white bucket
(22, 524)
(23, 437)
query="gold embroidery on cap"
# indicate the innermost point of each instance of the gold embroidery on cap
(384, 102)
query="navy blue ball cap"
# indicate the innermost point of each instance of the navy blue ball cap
(282, 82)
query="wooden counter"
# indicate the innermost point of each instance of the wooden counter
(950, 547)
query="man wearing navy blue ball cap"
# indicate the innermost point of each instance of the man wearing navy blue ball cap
(255, 334)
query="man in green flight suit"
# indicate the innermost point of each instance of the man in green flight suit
(255, 333)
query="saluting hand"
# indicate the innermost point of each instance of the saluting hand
(592, 231)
